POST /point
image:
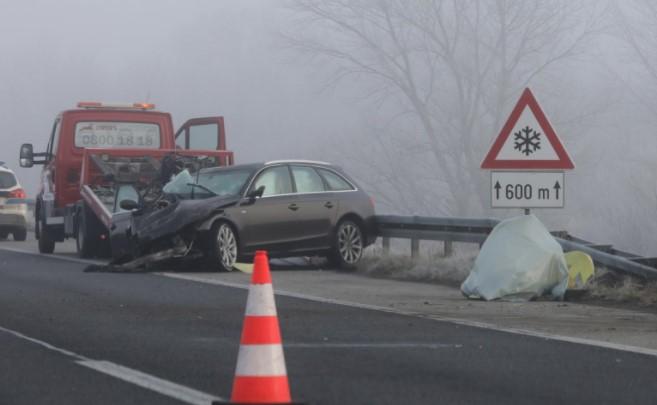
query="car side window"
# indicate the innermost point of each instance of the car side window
(276, 181)
(307, 180)
(7, 180)
(203, 136)
(335, 182)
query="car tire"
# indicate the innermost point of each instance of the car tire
(224, 247)
(46, 241)
(86, 233)
(348, 245)
(3, 235)
(20, 235)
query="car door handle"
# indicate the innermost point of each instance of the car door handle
(328, 205)
(293, 207)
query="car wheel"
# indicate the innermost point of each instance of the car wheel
(85, 234)
(46, 241)
(3, 235)
(19, 235)
(224, 247)
(348, 245)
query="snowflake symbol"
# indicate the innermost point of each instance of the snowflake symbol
(527, 141)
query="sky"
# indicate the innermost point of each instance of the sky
(193, 58)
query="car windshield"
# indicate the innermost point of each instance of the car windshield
(210, 183)
(7, 180)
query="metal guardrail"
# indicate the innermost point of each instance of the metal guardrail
(475, 230)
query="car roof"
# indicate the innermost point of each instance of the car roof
(252, 166)
(300, 161)
(271, 163)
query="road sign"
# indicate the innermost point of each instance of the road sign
(527, 141)
(527, 189)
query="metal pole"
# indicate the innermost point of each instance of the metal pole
(415, 248)
(449, 249)
(386, 245)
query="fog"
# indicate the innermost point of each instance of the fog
(406, 96)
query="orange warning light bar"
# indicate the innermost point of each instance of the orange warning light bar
(120, 106)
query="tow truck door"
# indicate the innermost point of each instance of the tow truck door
(205, 133)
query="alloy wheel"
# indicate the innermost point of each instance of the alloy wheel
(350, 243)
(227, 246)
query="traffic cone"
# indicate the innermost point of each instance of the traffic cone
(260, 375)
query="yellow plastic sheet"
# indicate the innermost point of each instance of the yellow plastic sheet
(244, 267)
(580, 269)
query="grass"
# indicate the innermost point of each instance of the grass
(605, 286)
(433, 267)
(609, 286)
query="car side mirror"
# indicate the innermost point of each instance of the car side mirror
(257, 193)
(26, 155)
(129, 205)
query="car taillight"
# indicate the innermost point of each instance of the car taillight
(18, 193)
(372, 201)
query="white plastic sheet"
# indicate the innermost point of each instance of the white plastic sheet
(520, 260)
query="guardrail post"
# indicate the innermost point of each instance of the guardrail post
(385, 243)
(448, 248)
(415, 248)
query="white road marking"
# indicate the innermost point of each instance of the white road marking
(463, 322)
(161, 386)
(150, 382)
(65, 258)
(41, 343)
(457, 321)
(401, 345)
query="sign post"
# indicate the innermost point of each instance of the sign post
(527, 160)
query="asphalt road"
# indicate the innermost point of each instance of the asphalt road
(77, 338)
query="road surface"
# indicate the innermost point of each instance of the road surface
(72, 337)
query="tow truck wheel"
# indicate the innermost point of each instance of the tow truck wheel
(20, 234)
(86, 239)
(222, 253)
(46, 242)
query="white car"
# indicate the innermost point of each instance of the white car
(13, 206)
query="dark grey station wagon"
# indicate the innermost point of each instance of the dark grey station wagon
(289, 208)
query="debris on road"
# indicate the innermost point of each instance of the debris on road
(520, 260)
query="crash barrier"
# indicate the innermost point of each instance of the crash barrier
(476, 230)
(260, 375)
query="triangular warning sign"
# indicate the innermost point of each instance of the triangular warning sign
(527, 141)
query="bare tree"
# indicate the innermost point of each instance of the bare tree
(453, 66)
(637, 23)
(636, 28)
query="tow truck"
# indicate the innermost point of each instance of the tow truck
(100, 154)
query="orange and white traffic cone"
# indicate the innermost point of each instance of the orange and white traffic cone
(260, 375)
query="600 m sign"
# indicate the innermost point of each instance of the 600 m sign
(527, 189)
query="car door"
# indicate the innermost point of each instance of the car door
(317, 208)
(205, 133)
(268, 221)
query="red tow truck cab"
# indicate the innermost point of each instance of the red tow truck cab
(126, 130)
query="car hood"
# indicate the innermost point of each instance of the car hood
(160, 222)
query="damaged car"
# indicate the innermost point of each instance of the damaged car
(224, 214)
